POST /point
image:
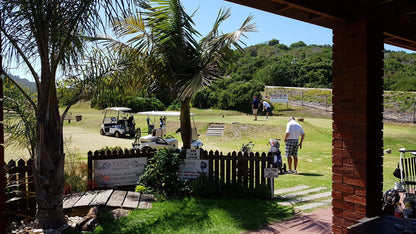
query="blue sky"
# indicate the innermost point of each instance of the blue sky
(269, 26)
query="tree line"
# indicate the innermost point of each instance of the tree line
(266, 64)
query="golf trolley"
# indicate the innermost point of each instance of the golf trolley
(277, 155)
(274, 149)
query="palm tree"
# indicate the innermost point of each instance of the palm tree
(49, 35)
(164, 38)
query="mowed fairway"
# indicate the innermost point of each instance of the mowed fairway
(315, 160)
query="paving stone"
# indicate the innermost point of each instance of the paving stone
(314, 205)
(292, 189)
(305, 199)
(291, 195)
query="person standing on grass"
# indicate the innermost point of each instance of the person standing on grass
(293, 131)
(255, 107)
(266, 107)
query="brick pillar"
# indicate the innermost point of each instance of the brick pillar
(357, 123)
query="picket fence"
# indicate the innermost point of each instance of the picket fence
(19, 191)
(246, 169)
(232, 168)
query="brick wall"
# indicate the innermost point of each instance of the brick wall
(357, 123)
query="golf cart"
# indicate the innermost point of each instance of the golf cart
(157, 137)
(118, 122)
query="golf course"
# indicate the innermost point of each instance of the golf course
(315, 164)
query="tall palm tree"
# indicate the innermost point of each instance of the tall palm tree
(164, 38)
(47, 36)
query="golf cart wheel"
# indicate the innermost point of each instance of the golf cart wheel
(147, 149)
(117, 134)
(102, 132)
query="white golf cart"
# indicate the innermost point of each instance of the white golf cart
(118, 122)
(157, 138)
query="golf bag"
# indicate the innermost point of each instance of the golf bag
(277, 155)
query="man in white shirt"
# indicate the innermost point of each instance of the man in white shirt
(293, 132)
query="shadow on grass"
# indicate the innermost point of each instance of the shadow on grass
(190, 215)
(310, 174)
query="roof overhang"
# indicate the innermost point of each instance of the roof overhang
(397, 17)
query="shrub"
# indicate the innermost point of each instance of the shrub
(160, 175)
(176, 105)
(75, 173)
(144, 104)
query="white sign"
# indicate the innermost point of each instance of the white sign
(271, 172)
(192, 169)
(280, 98)
(193, 153)
(118, 172)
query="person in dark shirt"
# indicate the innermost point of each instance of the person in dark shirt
(255, 106)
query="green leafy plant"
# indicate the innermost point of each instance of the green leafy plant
(144, 104)
(160, 173)
(75, 173)
(140, 189)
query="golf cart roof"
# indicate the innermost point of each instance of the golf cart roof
(123, 109)
(161, 113)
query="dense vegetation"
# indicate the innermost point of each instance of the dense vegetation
(267, 64)
(297, 65)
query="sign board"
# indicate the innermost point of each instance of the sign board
(193, 153)
(192, 169)
(118, 172)
(271, 172)
(279, 98)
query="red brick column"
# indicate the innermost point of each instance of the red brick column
(357, 124)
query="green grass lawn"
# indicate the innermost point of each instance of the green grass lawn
(190, 215)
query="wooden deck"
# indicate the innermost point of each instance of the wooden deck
(108, 198)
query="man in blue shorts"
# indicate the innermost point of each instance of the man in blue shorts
(293, 132)
(266, 107)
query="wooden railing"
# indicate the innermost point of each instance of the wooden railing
(19, 190)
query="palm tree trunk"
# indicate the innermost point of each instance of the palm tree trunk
(186, 130)
(49, 161)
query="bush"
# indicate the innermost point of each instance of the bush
(75, 173)
(160, 175)
(175, 106)
(144, 104)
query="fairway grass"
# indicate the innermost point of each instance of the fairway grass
(315, 160)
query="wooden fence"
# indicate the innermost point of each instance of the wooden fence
(19, 190)
(232, 168)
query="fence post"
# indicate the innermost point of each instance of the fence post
(326, 103)
(414, 112)
(90, 181)
(301, 96)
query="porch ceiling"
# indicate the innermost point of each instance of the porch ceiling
(397, 17)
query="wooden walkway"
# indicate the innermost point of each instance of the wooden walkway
(109, 198)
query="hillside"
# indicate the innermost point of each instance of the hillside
(25, 83)
(301, 65)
